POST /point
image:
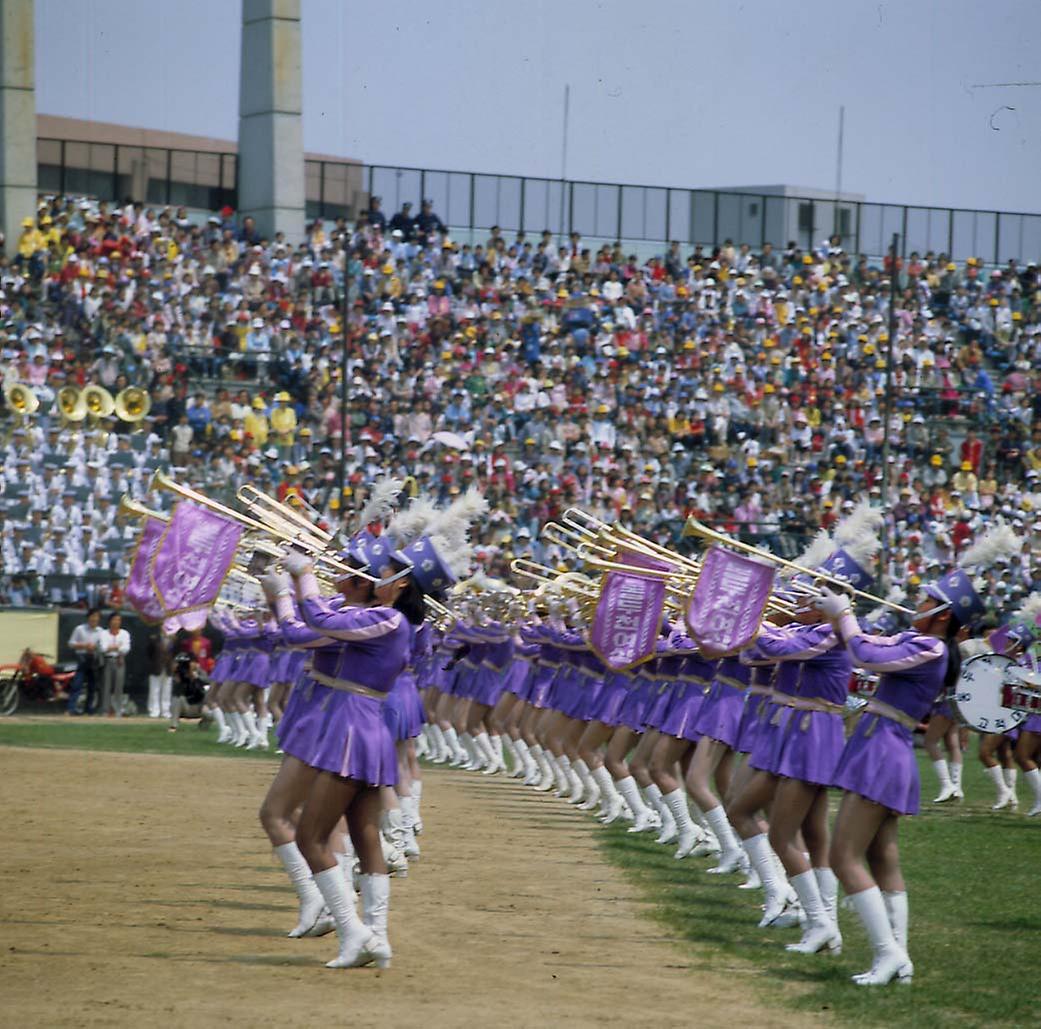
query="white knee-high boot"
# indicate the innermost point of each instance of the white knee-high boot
(761, 858)
(355, 937)
(897, 911)
(311, 903)
(375, 906)
(943, 775)
(891, 960)
(732, 856)
(821, 931)
(610, 798)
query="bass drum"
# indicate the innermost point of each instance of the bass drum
(978, 695)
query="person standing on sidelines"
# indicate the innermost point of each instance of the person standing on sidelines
(160, 669)
(115, 645)
(86, 642)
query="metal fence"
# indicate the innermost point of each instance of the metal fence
(472, 202)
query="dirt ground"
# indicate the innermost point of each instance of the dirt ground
(138, 890)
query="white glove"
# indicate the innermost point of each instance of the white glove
(297, 564)
(276, 584)
(831, 605)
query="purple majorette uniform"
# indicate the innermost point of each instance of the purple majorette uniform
(695, 680)
(720, 713)
(590, 680)
(257, 672)
(757, 697)
(491, 652)
(574, 684)
(765, 755)
(229, 650)
(403, 710)
(662, 669)
(547, 665)
(337, 712)
(616, 688)
(878, 761)
(522, 672)
(642, 694)
(812, 741)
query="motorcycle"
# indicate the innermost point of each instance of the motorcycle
(34, 679)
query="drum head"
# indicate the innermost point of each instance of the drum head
(977, 696)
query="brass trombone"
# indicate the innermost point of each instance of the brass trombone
(695, 528)
(130, 508)
(282, 531)
(263, 506)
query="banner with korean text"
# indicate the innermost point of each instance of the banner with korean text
(729, 601)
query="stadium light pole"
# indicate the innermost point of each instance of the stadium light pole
(341, 472)
(887, 399)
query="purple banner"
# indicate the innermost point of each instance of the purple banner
(139, 591)
(729, 600)
(193, 558)
(628, 619)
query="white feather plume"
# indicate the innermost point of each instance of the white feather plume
(857, 533)
(382, 498)
(997, 542)
(456, 558)
(1029, 610)
(453, 523)
(413, 521)
(819, 550)
(895, 596)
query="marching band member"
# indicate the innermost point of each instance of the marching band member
(877, 768)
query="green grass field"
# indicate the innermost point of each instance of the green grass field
(973, 878)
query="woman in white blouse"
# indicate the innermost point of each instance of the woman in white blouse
(115, 645)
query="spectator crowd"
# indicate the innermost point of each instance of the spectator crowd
(748, 388)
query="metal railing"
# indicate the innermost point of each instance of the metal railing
(473, 202)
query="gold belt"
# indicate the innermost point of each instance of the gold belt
(345, 686)
(884, 710)
(813, 704)
(761, 691)
(734, 684)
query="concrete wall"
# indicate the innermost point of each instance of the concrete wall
(17, 118)
(271, 153)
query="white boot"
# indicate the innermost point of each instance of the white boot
(955, 768)
(610, 799)
(891, 960)
(356, 939)
(375, 906)
(224, 730)
(395, 860)
(896, 911)
(441, 749)
(686, 830)
(249, 717)
(761, 858)
(580, 791)
(310, 921)
(828, 884)
(457, 756)
(669, 832)
(1009, 775)
(708, 843)
(417, 800)
(516, 769)
(1004, 797)
(561, 767)
(242, 733)
(947, 791)
(409, 845)
(522, 760)
(630, 791)
(1033, 778)
(592, 792)
(545, 780)
(732, 856)
(486, 751)
(422, 744)
(821, 931)
(497, 750)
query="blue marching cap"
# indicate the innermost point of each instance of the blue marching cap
(956, 589)
(840, 565)
(379, 556)
(428, 568)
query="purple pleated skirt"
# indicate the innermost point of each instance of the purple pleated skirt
(682, 716)
(942, 706)
(566, 686)
(634, 710)
(403, 710)
(811, 747)
(339, 732)
(462, 682)
(542, 682)
(748, 727)
(296, 666)
(490, 685)
(878, 763)
(254, 670)
(661, 701)
(765, 754)
(1032, 724)
(520, 678)
(616, 688)
(278, 665)
(586, 698)
(720, 714)
(225, 661)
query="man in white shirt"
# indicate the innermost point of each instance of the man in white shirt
(115, 645)
(86, 642)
